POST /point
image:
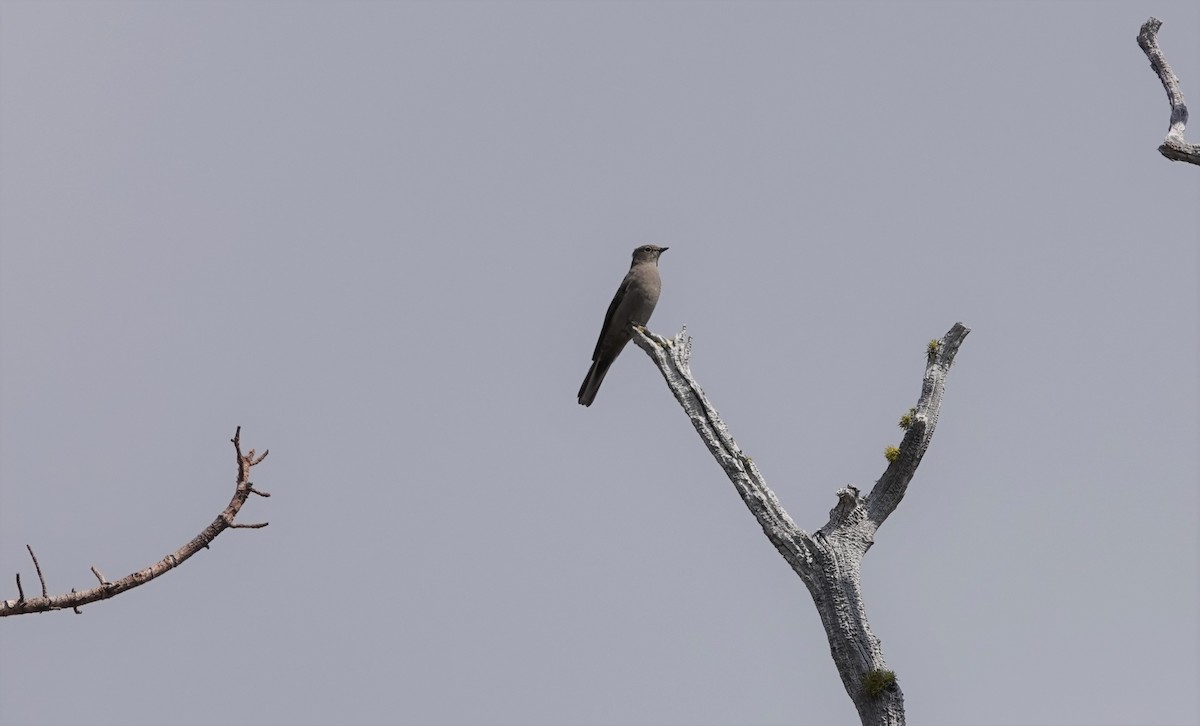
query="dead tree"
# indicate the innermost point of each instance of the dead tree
(1174, 147)
(76, 599)
(827, 560)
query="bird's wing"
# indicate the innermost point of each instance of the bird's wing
(608, 317)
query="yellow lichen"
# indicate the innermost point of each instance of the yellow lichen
(878, 681)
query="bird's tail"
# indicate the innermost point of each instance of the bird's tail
(591, 384)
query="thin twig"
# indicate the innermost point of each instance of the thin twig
(38, 567)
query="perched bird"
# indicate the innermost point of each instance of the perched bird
(632, 305)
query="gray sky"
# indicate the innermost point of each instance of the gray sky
(382, 237)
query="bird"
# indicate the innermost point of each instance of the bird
(632, 305)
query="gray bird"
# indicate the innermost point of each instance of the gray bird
(632, 305)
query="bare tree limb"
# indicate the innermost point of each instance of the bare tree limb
(827, 561)
(1174, 147)
(106, 589)
(673, 357)
(890, 488)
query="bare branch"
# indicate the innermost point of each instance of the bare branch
(37, 567)
(106, 589)
(890, 488)
(1174, 147)
(673, 356)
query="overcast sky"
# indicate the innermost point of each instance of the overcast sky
(382, 236)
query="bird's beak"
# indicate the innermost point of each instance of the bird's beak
(663, 249)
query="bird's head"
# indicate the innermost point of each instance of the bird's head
(647, 253)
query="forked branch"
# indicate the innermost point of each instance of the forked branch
(225, 520)
(827, 561)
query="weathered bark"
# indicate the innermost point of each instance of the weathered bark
(828, 561)
(1174, 147)
(74, 600)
